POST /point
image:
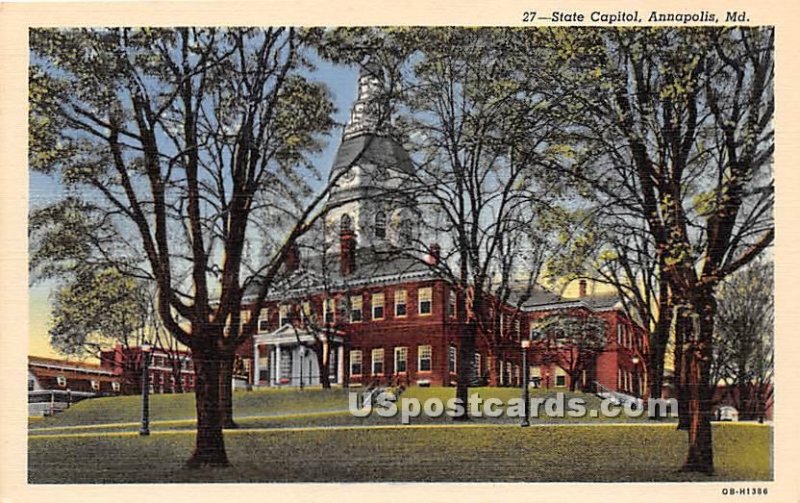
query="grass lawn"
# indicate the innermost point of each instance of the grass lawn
(271, 408)
(601, 452)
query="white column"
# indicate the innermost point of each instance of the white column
(340, 366)
(271, 360)
(255, 363)
(277, 364)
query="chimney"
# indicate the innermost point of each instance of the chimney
(292, 260)
(434, 254)
(347, 241)
(582, 288)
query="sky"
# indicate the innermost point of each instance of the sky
(342, 84)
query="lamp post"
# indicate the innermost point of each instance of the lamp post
(302, 357)
(526, 403)
(145, 429)
(635, 361)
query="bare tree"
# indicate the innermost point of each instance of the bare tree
(175, 141)
(743, 341)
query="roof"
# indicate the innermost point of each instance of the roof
(54, 364)
(602, 301)
(540, 299)
(373, 267)
(380, 151)
(538, 296)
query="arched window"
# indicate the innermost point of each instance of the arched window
(380, 225)
(346, 223)
(406, 232)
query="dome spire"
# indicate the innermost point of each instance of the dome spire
(366, 112)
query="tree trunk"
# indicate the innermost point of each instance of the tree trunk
(574, 377)
(658, 349)
(226, 391)
(323, 363)
(209, 443)
(681, 366)
(466, 351)
(700, 457)
(743, 401)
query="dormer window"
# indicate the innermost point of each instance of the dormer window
(380, 225)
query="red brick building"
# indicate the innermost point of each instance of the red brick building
(168, 372)
(382, 316)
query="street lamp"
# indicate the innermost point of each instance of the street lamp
(302, 352)
(635, 361)
(145, 429)
(525, 399)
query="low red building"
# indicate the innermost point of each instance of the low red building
(86, 379)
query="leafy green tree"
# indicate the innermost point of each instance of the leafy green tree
(173, 146)
(98, 310)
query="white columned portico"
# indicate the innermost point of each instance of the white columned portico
(287, 338)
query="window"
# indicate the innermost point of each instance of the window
(536, 375)
(345, 223)
(400, 303)
(31, 384)
(307, 308)
(517, 329)
(561, 377)
(95, 385)
(380, 225)
(619, 379)
(283, 315)
(400, 359)
(377, 361)
(115, 385)
(477, 364)
(619, 335)
(425, 301)
(377, 306)
(356, 305)
(451, 304)
(61, 381)
(328, 310)
(263, 320)
(451, 359)
(424, 358)
(355, 362)
(244, 317)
